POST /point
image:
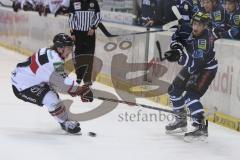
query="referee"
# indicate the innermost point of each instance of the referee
(84, 17)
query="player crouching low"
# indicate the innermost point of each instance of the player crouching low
(32, 82)
(200, 68)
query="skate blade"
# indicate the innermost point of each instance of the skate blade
(176, 131)
(191, 139)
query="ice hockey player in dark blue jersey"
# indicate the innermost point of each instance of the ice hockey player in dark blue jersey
(197, 6)
(199, 69)
(219, 17)
(233, 25)
(148, 12)
(186, 9)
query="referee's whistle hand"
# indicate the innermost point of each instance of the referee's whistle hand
(91, 32)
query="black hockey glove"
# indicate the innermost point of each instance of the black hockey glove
(27, 6)
(180, 21)
(46, 10)
(173, 55)
(176, 45)
(16, 6)
(218, 32)
(40, 9)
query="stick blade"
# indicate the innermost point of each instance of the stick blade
(159, 51)
(176, 12)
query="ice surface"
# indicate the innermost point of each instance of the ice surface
(28, 132)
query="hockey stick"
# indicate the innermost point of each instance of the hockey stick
(160, 51)
(4, 5)
(176, 12)
(108, 34)
(211, 111)
(105, 31)
(137, 33)
(133, 104)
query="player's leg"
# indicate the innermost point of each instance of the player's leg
(175, 92)
(197, 87)
(57, 109)
(43, 95)
(197, 113)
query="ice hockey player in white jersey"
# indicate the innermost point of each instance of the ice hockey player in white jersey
(32, 82)
(28, 5)
(55, 6)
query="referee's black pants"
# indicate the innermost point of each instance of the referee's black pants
(83, 55)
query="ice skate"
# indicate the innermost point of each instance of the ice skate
(178, 126)
(199, 133)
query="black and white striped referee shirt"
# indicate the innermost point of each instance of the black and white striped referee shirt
(83, 14)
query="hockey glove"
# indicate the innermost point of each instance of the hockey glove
(79, 91)
(173, 55)
(46, 10)
(217, 32)
(181, 21)
(87, 96)
(176, 45)
(27, 6)
(40, 9)
(16, 6)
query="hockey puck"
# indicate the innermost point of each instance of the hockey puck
(92, 134)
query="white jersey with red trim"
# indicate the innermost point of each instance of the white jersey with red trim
(38, 69)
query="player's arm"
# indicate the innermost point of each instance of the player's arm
(193, 61)
(63, 83)
(62, 80)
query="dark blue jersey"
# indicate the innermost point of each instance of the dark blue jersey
(233, 30)
(219, 17)
(200, 54)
